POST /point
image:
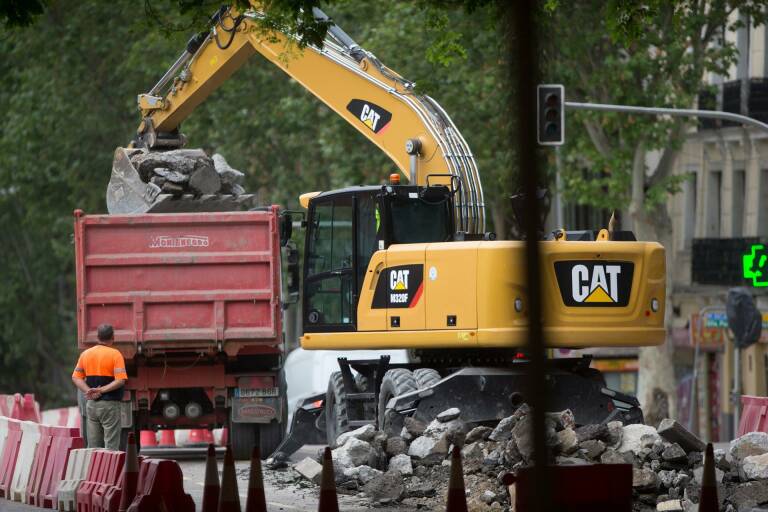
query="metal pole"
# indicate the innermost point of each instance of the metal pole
(559, 224)
(523, 45)
(675, 112)
(736, 396)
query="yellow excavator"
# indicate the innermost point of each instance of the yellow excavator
(410, 266)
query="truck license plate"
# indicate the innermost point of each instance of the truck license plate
(247, 393)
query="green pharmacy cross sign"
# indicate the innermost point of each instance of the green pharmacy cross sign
(756, 266)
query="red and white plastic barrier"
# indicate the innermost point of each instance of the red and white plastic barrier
(30, 436)
(63, 417)
(161, 487)
(8, 456)
(20, 407)
(77, 470)
(50, 465)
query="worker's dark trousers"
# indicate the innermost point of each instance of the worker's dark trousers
(103, 424)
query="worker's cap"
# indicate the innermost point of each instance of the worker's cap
(105, 332)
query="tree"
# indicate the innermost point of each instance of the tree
(649, 54)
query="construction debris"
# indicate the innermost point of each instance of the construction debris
(668, 467)
(187, 171)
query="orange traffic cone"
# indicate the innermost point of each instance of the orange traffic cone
(457, 497)
(130, 474)
(708, 501)
(229, 500)
(211, 488)
(257, 501)
(329, 502)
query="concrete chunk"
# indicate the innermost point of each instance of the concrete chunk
(309, 468)
(674, 432)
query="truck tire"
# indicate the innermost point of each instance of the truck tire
(425, 377)
(242, 438)
(336, 416)
(396, 382)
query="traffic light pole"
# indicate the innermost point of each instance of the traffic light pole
(675, 112)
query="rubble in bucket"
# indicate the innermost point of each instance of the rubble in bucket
(156, 181)
(413, 468)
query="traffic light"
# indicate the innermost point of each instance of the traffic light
(551, 114)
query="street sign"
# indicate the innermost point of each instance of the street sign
(712, 330)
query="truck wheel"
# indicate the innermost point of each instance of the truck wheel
(336, 417)
(242, 438)
(395, 383)
(425, 377)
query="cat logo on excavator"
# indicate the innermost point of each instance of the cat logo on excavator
(595, 284)
(373, 116)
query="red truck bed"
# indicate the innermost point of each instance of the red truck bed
(195, 282)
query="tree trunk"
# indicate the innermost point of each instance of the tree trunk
(656, 366)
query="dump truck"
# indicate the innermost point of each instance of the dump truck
(194, 300)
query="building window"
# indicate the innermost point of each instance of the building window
(762, 206)
(737, 210)
(689, 209)
(712, 220)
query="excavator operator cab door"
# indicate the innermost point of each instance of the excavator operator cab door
(346, 227)
(341, 236)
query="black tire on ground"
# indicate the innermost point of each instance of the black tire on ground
(336, 416)
(396, 382)
(425, 377)
(242, 438)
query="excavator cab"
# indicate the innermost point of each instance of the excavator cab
(346, 227)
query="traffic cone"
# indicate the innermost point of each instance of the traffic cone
(211, 489)
(167, 439)
(329, 502)
(130, 474)
(229, 500)
(457, 496)
(708, 501)
(147, 438)
(257, 501)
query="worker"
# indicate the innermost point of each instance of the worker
(100, 375)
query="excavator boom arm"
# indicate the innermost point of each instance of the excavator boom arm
(411, 129)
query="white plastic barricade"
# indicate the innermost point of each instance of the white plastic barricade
(64, 417)
(77, 469)
(3, 433)
(29, 440)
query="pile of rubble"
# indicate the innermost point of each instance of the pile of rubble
(187, 171)
(413, 468)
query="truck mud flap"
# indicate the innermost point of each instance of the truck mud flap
(307, 427)
(490, 394)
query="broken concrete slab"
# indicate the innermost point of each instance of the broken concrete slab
(309, 468)
(674, 432)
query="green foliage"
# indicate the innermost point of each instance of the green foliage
(633, 53)
(68, 87)
(20, 13)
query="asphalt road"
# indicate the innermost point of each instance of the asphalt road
(282, 491)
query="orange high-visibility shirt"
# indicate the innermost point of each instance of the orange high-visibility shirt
(100, 365)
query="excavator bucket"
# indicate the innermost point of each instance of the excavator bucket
(127, 193)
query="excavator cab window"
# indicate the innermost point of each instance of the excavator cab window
(417, 214)
(345, 228)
